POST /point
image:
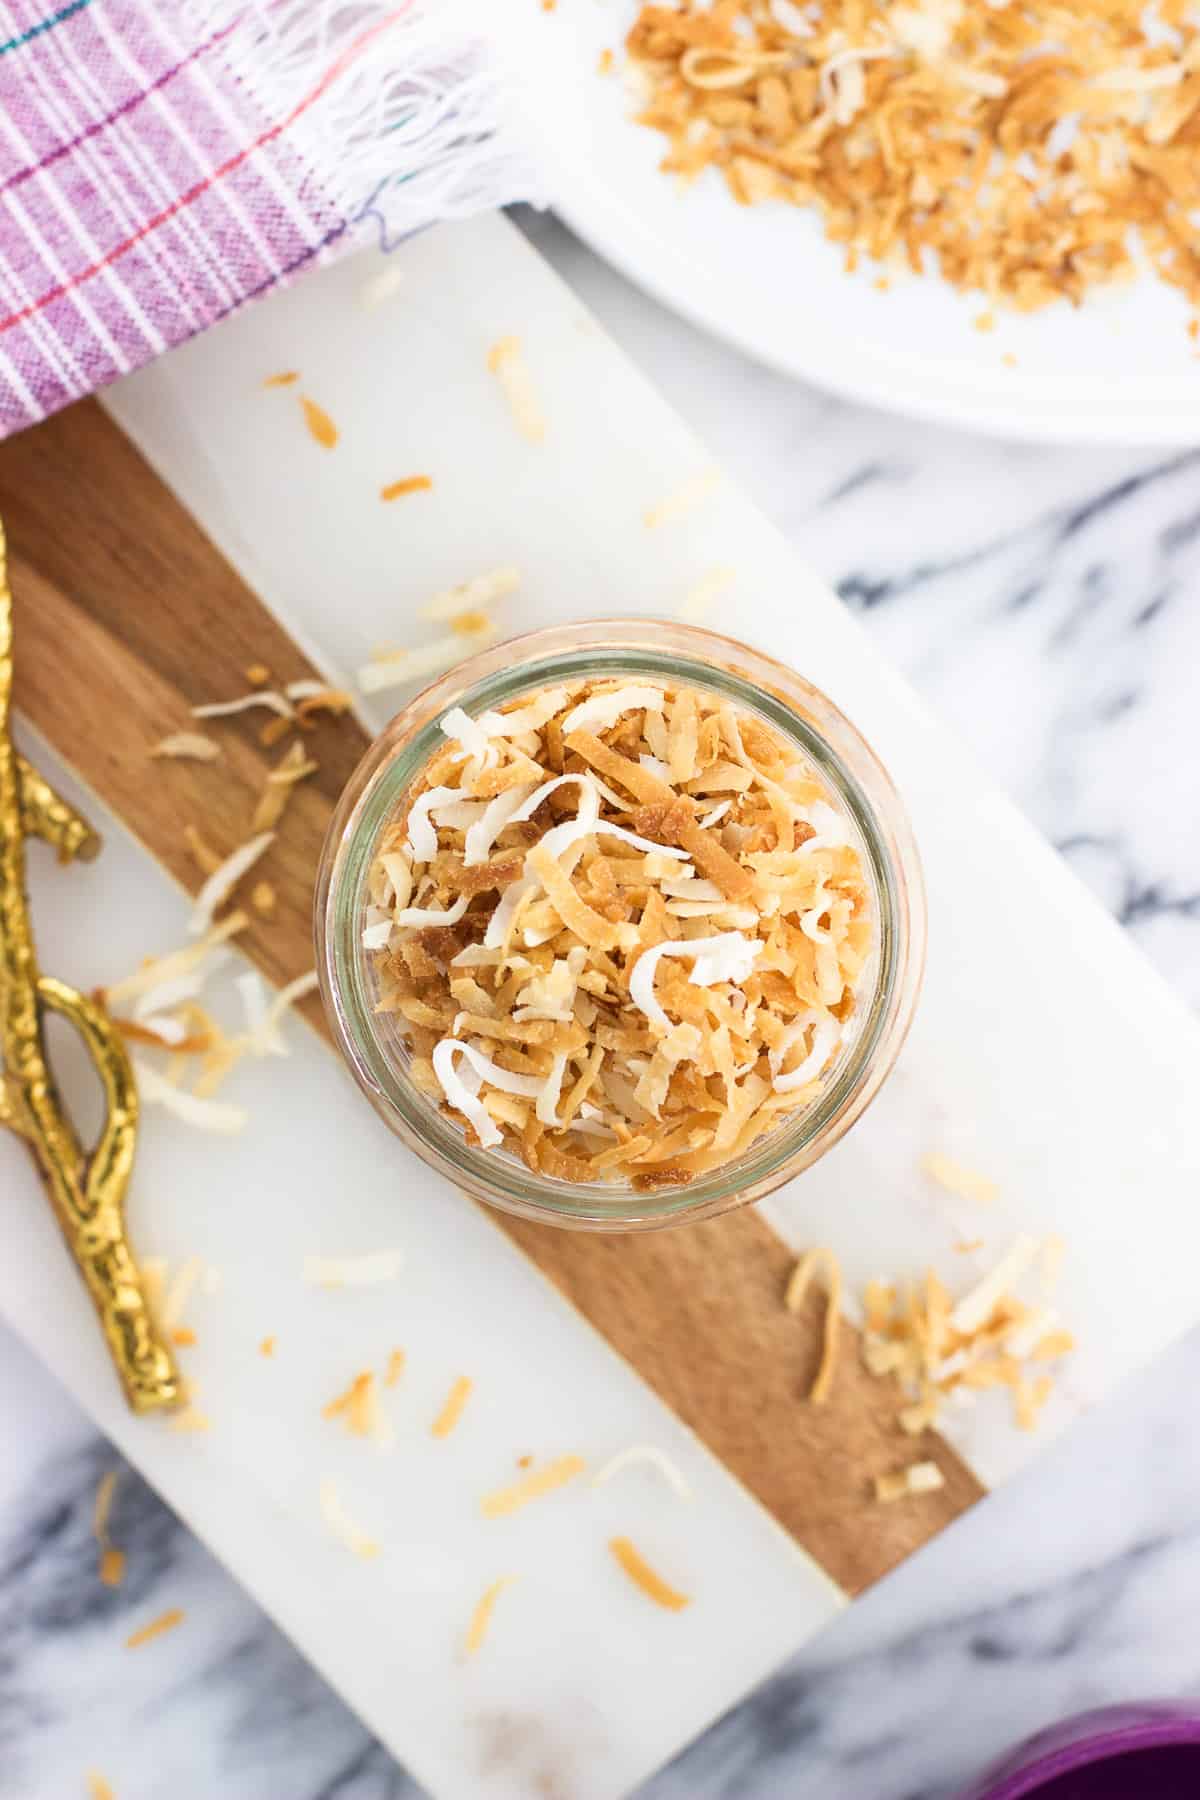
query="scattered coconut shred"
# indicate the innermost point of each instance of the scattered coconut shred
(917, 1478)
(188, 745)
(481, 1618)
(371, 1270)
(1020, 151)
(112, 1561)
(534, 1486)
(465, 609)
(164, 992)
(944, 1352)
(620, 930)
(644, 1577)
(343, 1527)
(157, 1628)
(650, 1456)
(452, 1410)
(359, 1409)
(506, 361)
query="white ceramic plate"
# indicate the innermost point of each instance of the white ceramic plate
(1120, 369)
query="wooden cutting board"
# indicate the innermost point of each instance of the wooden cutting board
(127, 616)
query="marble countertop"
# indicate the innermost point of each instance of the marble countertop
(1038, 599)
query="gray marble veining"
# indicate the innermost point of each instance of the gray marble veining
(1042, 601)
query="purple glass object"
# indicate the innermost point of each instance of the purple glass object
(1149, 1751)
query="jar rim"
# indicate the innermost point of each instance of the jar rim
(755, 683)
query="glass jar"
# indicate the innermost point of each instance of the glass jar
(634, 649)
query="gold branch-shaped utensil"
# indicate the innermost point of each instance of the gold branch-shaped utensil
(86, 1187)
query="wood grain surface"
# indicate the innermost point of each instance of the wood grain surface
(126, 617)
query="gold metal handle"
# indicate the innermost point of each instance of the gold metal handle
(86, 1188)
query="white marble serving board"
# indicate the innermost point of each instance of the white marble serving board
(1046, 1053)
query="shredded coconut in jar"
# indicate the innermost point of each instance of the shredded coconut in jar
(621, 929)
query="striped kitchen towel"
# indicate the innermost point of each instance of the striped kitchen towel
(164, 161)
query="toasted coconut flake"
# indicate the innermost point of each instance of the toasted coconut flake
(268, 1346)
(359, 1407)
(532, 715)
(551, 1091)
(223, 880)
(976, 1308)
(422, 841)
(459, 1096)
(826, 1033)
(402, 668)
(395, 1368)
(285, 378)
(481, 1618)
(152, 979)
(318, 698)
(200, 851)
(98, 1788)
(205, 1115)
(646, 1578)
(715, 816)
(280, 784)
(409, 484)
(958, 1179)
(112, 1567)
(603, 710)
(188, 746)
(948, 1353)
(586, 924)
(112, 1561)
(503, 1502)
(797, 1288)
(684, 499)
(102, 1505)
(507, 363)
(369, 1270)
(496, 815)
(471, 735)
(650, 1455)
(320, 426)
(343, 1527)
(918, 1478)
(425, 918)
(263, 899)
(225, 709)
(529, 1086)
(452, 1408)
(163, 1032)
(166, 1621)
(729, 957)
(476, 595)
(1027, 1332)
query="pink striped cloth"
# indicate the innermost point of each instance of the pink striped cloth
(164, 161)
